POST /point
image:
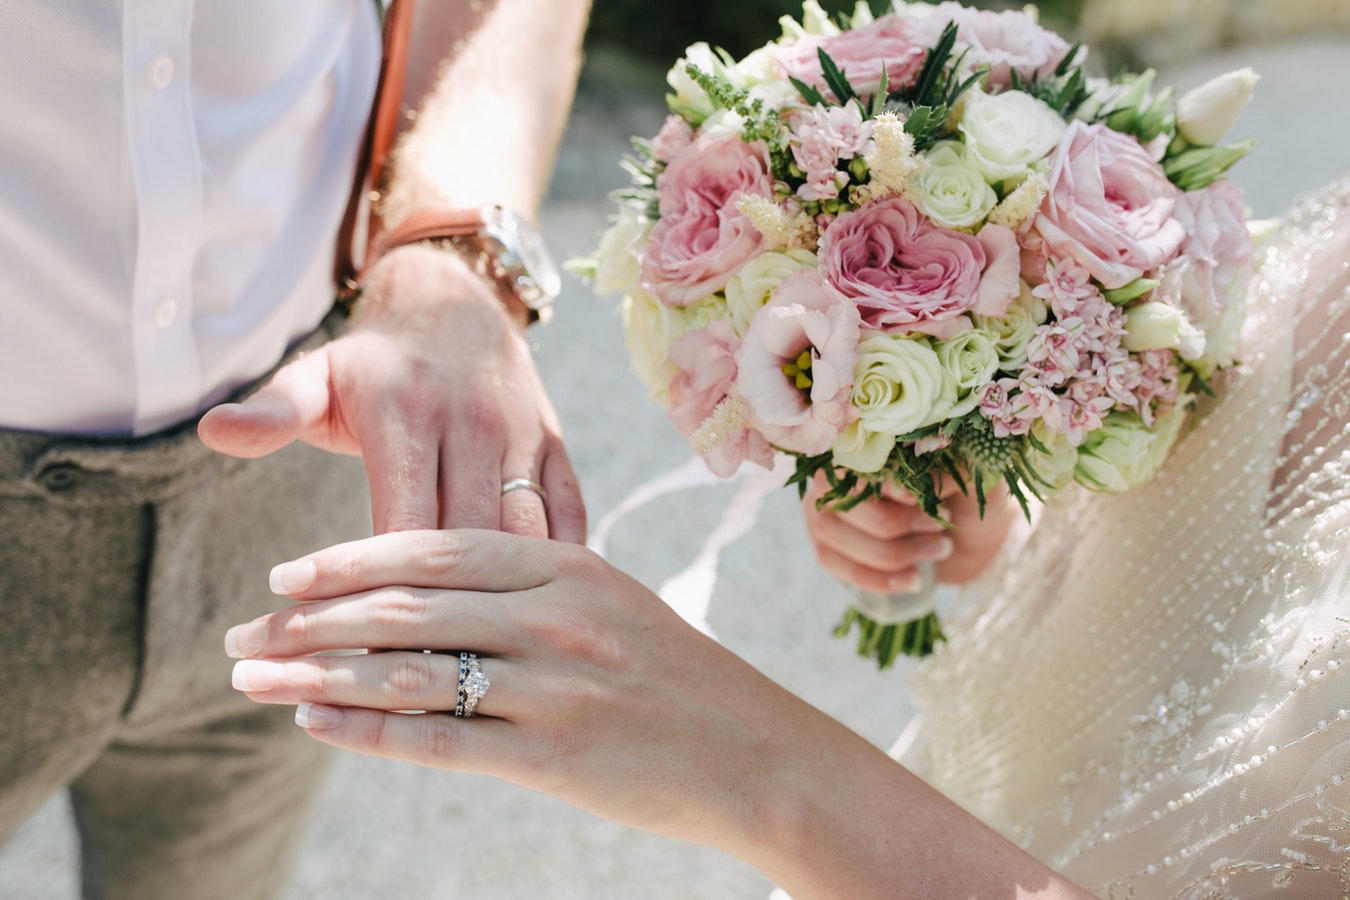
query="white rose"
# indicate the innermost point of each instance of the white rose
(1207, 113)
(1160, 326)
(899, 384)
(949, 191)
(1221, 340)
(752, 286)
(1055, 462)
(703, 312)
(649, 328)
(1006, 133)
(861, 450)
(618, 258)
(1014, 329)
(1125, 453)
(970, 359)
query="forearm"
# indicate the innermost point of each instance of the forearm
(845, 821)
(491, 82)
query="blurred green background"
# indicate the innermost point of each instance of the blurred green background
(660, 31)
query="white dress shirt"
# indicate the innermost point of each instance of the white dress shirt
(172, 173)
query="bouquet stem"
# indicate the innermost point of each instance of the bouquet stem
(891, 624)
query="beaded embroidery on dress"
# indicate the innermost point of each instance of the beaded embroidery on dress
(1155, 699)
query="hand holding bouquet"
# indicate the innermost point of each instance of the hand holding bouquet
(927, 246)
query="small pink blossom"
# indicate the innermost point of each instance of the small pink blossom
(1052, 352)
(1159, 387)
(821, 138)
(932, 443)
(701, 238)
(908, 274)
(1008, 41)
(861, 54)
(1110, 207)
(1075, 418)
(706, 359)
(804, 316)
(1006, 406)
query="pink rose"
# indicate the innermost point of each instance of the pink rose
(1110, 208)
(701, 238)
(861, 54)
(707, 362)
(674, 136)
(1214, 255)
(908, 274)
(1008, 41)
(796, 364)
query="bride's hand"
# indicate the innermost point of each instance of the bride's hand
(600, 694)
(877, 544)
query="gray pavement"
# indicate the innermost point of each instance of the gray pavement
(731, 555)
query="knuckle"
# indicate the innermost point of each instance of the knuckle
(441, 552)
(437, 739)
(409, 676)
(401, 611)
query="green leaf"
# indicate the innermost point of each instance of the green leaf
(810, 94)
(837, 81)
(934, 64)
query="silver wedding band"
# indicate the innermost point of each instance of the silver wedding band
(473, 684)
(516, 484)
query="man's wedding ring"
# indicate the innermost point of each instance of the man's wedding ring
(473, 684)
(516, 484)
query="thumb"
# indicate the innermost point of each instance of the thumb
(285, 409)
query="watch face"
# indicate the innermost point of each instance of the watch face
(526, 260)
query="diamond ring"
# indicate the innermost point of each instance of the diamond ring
(473, 684)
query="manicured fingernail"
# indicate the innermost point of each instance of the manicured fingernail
(942, 548)
(255, 675)
(904, 584)
(318, 718)
(292, 577)
(243, 641)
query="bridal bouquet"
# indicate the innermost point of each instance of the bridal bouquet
(928, 245)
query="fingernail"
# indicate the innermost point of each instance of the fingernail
(243, 641)
(255, 675)
(943, 548)
(292, 577)
(904, 584)
(317, 718)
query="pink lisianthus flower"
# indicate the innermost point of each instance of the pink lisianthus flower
(1110, 207)
(1214, 256)
(701, 238)
(861, 54)
(796, 364)
(1008, 41)
(908, 274)
(706, 359)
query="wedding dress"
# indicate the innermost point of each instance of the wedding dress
(1154, 695)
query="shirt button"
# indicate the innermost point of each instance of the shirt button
(165, 314)
(61, 477)
(161, 72)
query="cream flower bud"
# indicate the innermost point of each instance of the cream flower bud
(1159, 326)
(1207, 113)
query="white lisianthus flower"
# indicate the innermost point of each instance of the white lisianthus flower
(861, 450)
(702, 313)
(621, 246)
(1207, 113)
(724, 123)
(752, 286)
(970, 359)
(1055, 461)
(1160, 326)
(1006, 133)
(1125, 453)
(949, 191)
(688, 95)
(1015, 328)
(649, 328)
(899, 384)
(1221, 340)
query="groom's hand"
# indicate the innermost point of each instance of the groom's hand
(435, 388)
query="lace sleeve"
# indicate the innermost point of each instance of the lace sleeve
(1155, 696)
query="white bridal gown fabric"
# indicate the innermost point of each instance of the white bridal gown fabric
(1154, 698)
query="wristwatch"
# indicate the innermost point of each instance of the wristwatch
(501, 245)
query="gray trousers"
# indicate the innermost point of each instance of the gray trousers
(122, 563)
